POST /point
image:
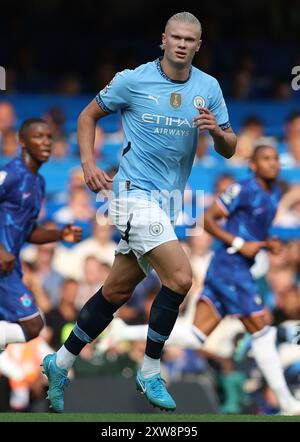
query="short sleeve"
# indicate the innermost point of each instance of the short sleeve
(116, 95)
(232, 198)
(218, 106)
(7, 183)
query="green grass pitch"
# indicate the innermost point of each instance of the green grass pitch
(111, 417)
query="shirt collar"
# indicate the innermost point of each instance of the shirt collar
(165, 76)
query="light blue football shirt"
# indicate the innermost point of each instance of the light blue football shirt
(157, 113)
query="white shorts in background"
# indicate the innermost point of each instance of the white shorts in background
(143, 226)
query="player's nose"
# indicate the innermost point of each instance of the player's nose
(181, 43)
(273, 167)
(47, 141)
(274, 163)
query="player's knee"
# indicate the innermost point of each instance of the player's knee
(181, 282)
(33, 327)
(116, 295)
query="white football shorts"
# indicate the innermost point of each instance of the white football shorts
(143, 226)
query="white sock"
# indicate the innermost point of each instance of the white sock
(10, 333)
(267, 359)
(133, 333)
(64, 358)
(150, 367)
(183, 334)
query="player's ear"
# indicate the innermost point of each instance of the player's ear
(163, 40)
(21, 141)
(199, 45)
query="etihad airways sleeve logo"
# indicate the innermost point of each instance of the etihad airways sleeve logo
(106, 88)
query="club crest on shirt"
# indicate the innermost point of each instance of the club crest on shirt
(230, 193)
(156, 229)
(26, 300)
(257, 300)
(175, 100)
(3, 175)
(199, 101)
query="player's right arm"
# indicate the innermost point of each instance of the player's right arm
(7, 260)
(115, 96)
(211, 217)
(235, 197)
(95, 178)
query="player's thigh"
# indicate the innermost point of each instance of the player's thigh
(124, 275)
(253, 314)
(206, 318)
(256, 322)
(32, 326)
(171, 264)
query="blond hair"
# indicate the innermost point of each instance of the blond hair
(183, 17)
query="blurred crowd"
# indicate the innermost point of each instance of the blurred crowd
(63, 277)
(251, 132)
(241, 81)
(250, 61)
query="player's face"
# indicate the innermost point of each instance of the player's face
(266, 164)
(181, 42)
(38, 142)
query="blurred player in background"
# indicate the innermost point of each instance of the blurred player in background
(230, 289)
(164, 104)
(22, 191)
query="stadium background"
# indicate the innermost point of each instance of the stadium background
(57, 56)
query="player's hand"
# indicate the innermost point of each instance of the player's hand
(7, 261)
(251, 248)
(72, 234)
(96, 178)
(206, 121)
(274, 245)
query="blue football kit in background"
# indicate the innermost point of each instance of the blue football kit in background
(229, 285)
(21, 196)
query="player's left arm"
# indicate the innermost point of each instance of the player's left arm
(224, 139)
(40, 235)
(274, 245)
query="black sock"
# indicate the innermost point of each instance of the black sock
(163, 315)
(93, 318)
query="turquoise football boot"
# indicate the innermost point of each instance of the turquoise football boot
(155, 391)
(57, 380)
